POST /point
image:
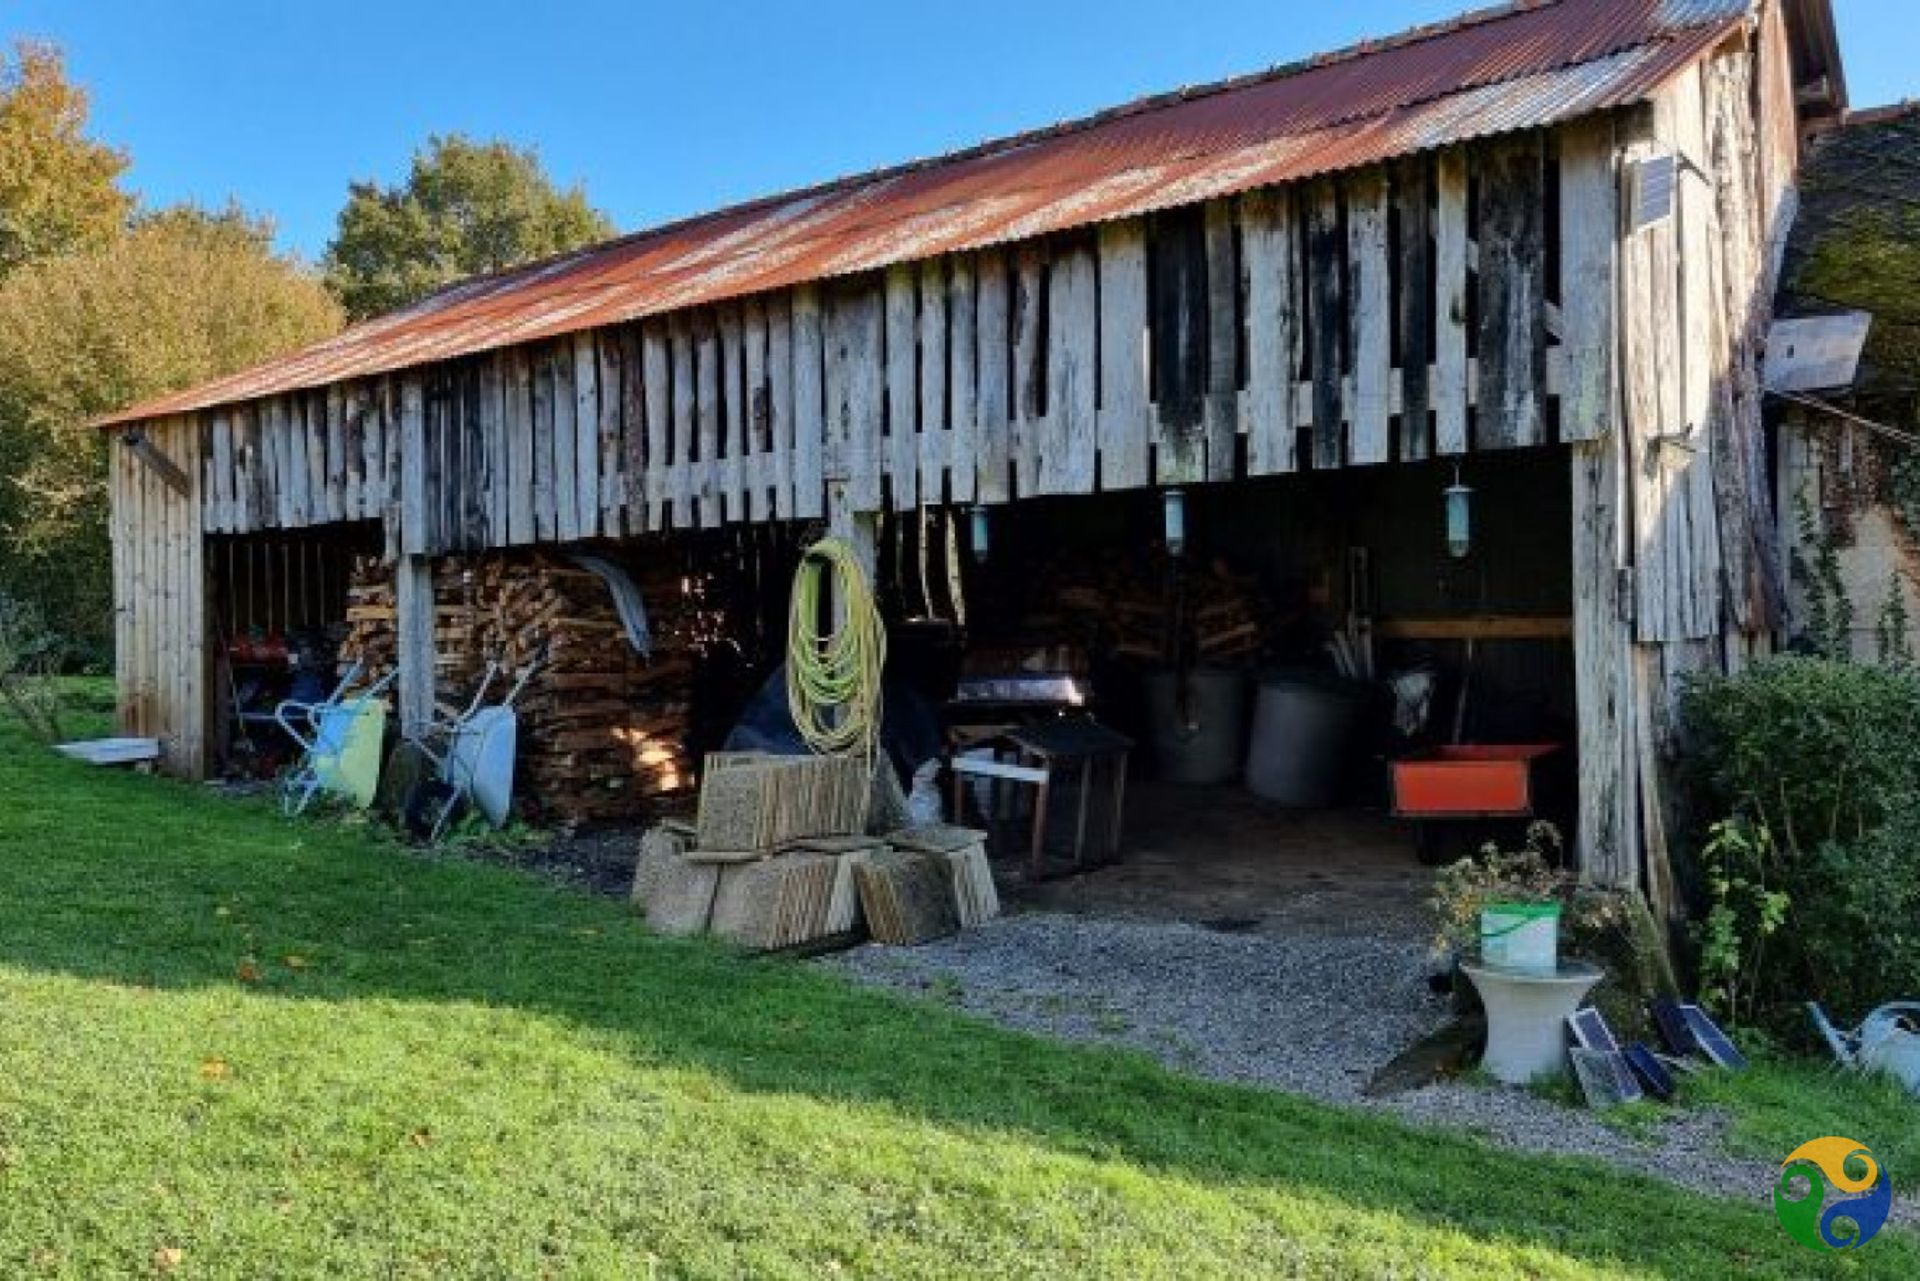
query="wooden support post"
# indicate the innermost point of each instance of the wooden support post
(860, 530)
(413, 625)
(1607, 840)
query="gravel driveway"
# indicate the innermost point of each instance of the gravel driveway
(1313, 1014)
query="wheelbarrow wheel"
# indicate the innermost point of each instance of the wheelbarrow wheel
(431, 805)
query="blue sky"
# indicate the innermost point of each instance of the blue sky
(662, 109)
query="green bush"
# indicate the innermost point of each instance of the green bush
(1812, 749)
(1819, 761)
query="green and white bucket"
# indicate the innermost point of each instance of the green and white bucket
(1521, 936)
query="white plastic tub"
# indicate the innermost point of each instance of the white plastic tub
(1521, 936)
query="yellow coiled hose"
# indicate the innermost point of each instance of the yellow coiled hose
(833, 678)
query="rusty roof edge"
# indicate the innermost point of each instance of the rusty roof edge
(1007, 143)
(163, 406)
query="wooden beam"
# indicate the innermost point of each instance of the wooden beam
(1477, 627)
(413, 636)
(1606, 836)
(169, 472)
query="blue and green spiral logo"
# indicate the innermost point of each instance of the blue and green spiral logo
(1832, 1194)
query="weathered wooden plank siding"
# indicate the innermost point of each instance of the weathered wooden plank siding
(160, 598)
(1345, 321)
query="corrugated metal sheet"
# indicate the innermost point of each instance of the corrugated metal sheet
(1526, 66)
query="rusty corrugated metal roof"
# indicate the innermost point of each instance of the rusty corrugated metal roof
(1523, 66)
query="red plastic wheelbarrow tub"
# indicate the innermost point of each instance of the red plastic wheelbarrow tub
(1477, 780)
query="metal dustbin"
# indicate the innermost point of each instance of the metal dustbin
(1304, 728)
(1197, 721)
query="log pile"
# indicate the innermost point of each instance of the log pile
(602, 729)
(371, 638)
(1213, 614)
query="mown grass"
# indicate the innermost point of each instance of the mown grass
(232, 1046)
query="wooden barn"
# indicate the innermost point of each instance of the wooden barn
(1523, 259)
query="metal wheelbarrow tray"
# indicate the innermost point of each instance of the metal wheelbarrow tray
(1472, 780)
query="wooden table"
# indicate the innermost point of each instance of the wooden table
(1041, 755)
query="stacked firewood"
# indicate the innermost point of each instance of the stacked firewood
(1206, 612)
(602, 729)
(370, 639)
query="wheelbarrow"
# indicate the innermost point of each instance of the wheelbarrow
(341, 740)
(472, 756)
(1887, 1040)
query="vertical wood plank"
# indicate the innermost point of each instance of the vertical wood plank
(1369, 317)
(993, 406)
(498, 469)
(935, 435)
(329, 404)
(219, 505)
(611, 383)
(1326, 314)
(1125, 418)
(586, 436)
(1450, 314)
(1273, 329)
(809, 404)
(633, 429)
(861, 313)
(1589, 226)
(780, 405)
(706, 414)
(1029, 363)
(1069, 447)
(1702, 331)
(414, 642)
(684, 438)
(1513, 337)
(297, 457)
(517, 411)
(1222, 406)
(656, 363)
(245, 454)
(546, 505)
(388, 395)
(1607, 843)
(413, 465)
(758, 463)
(903, 390)
(567, 523)
(728, 473)
(373, 450)
(1413, 319)
(1179, 315)
(963, 356)
(319, 459)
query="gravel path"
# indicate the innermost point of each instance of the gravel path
(1311, 1014)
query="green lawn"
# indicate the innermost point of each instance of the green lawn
(232, 1046)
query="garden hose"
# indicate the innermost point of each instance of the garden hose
(833, 678)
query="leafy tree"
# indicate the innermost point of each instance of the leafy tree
(183, 296)
(466, 208)
(57, 186)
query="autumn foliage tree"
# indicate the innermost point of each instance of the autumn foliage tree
(101, 307)
(58, 189)
(466, 208)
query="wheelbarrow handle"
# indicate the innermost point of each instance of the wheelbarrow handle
(288, 711)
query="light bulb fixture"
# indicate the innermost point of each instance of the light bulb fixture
(1459, 517)
(1174, 514)
(978, 523)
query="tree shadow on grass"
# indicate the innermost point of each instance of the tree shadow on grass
(137, 881)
